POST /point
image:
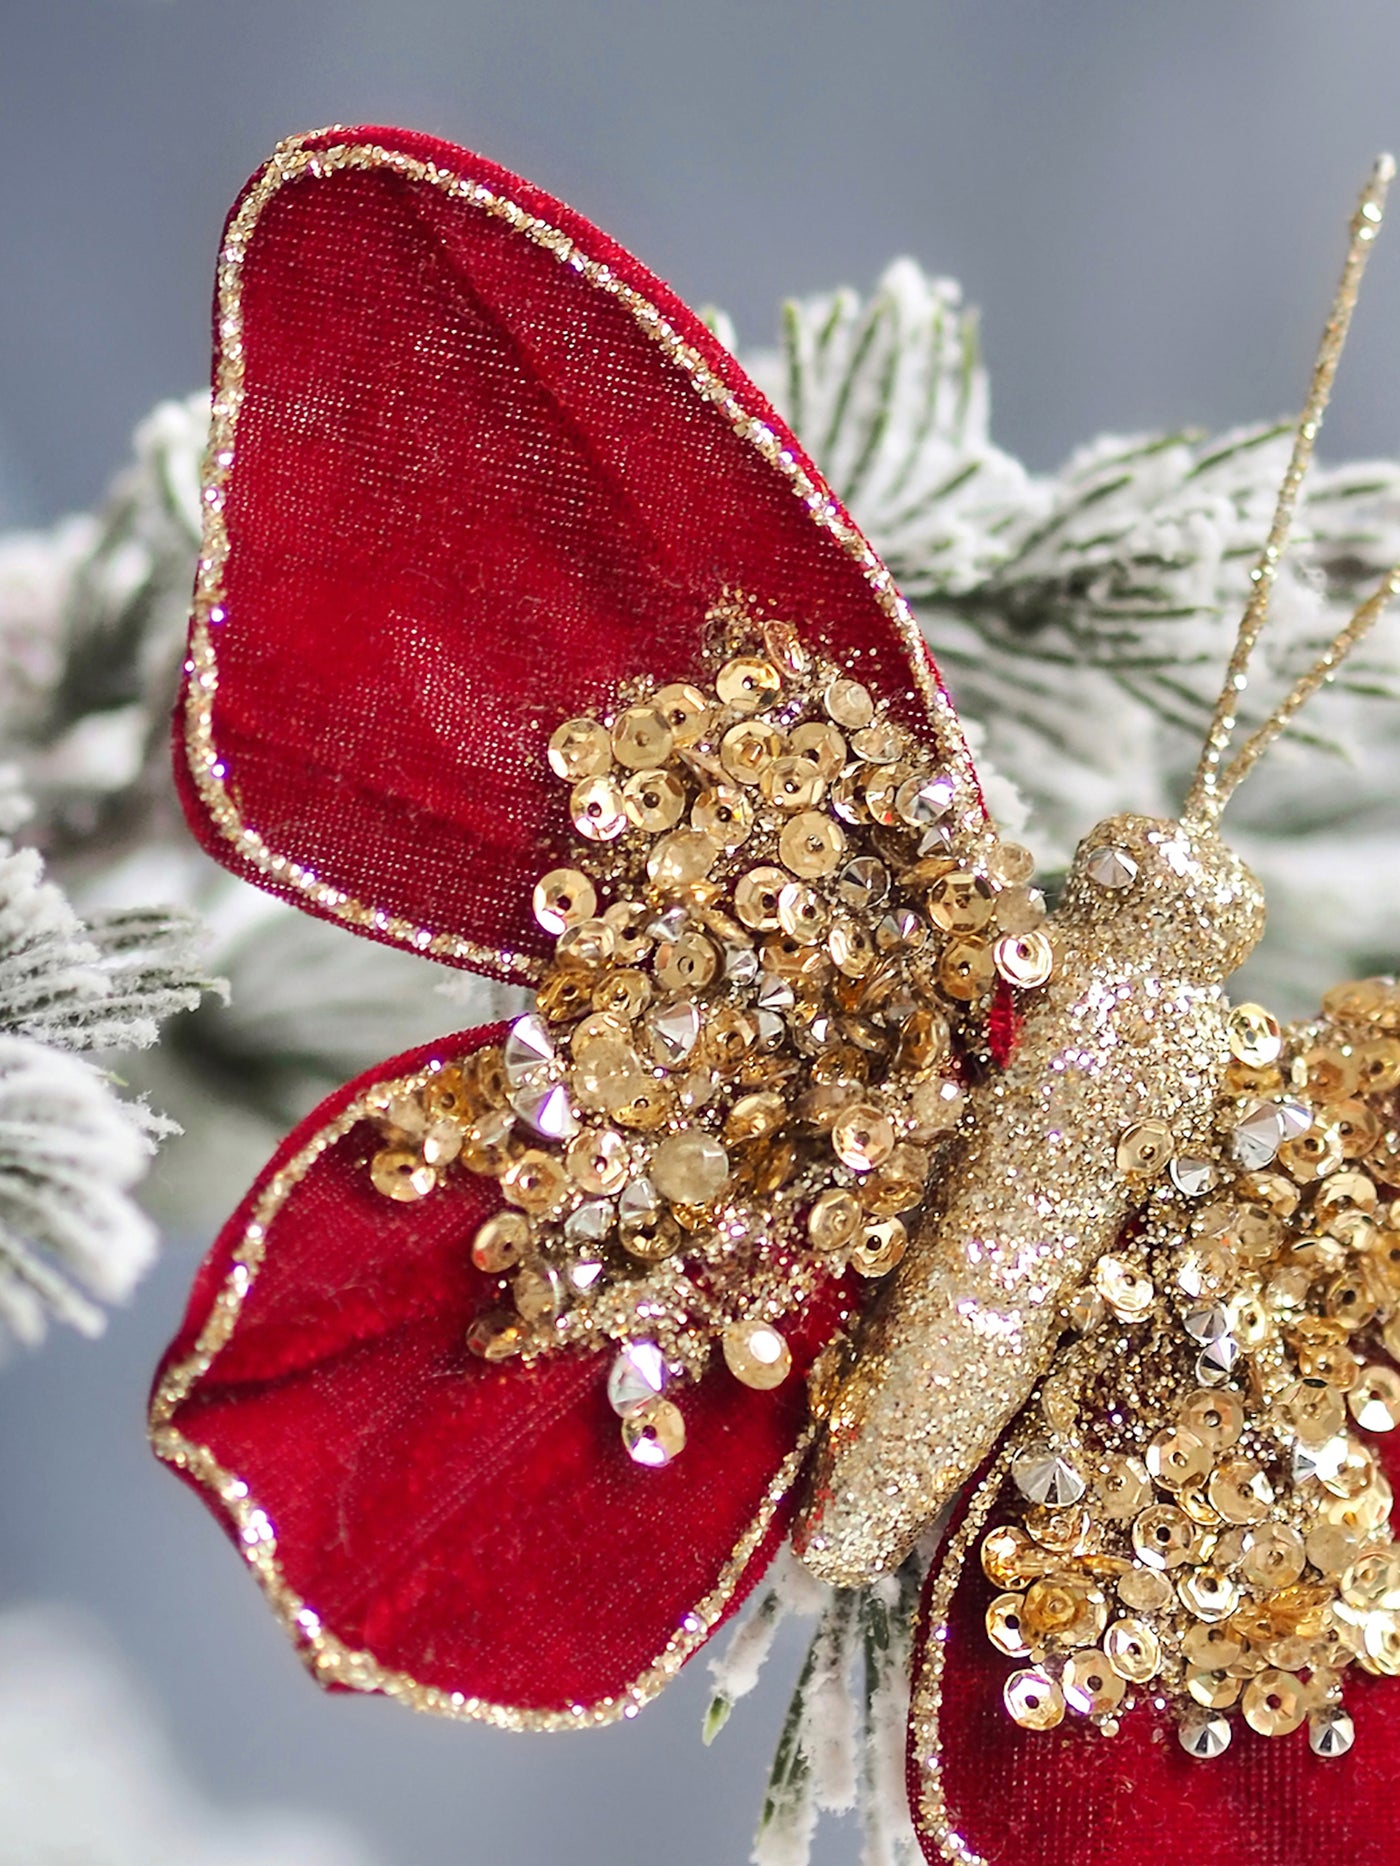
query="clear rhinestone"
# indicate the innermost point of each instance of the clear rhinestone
(1192, 1175)
(637, 1376)
(922, 801)
(1111, 868)
(1330, 1731)
(583, 1273)
(546, 1109)
(539, 1291)
(673, 1030)
(937, 839)
(1255, 1140)
(1043, 1476)
(639, 1203)
(864, 882)
(740, 964)
(771, 1029)
(529, 1050)
(591, 1222)
(668, 926)
(1204, 1736)
(1295, 1118)
(1216, 1363)
(775, 994)
(1206, 1324)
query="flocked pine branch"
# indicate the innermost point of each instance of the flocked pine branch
(842, 1740)
(71, 1236)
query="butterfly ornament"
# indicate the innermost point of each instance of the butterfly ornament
(831, 1182)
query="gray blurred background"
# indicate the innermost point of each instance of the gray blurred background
(1147, 203)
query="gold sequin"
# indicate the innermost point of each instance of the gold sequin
(748, 684)
(1144, 1149)
(756, 1354)
(756, 898)
(966, 972)
(598, 810)
(685, 711)
(581, 748)
(401, 1175)
(960, 903)
(681, 858)
(792, 783)
(1375, 1399)
(1164, 1536)
(1024, 959)
(1123, 1486)
(563, 897)
(1176, 1458)
(1216, 1418)
(654, 800)
(1274, 1703)
(811, 845)
(849, 703)
(724, 814)
(1255, 1036)
(863, 1137)
(641, 738)
(1003, 1620)
(879, 1247)
(1034, 1700)
(495, 1336)
(1133, 1649)
(747, 750)
(1240, 1491)
(1091, 1685)
(822, 746)
(500, 1242)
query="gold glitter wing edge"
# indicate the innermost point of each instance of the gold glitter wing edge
(293, 163)
(328, 1658)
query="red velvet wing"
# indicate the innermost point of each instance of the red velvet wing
(1062, 1797)
(471, 468)
(470, 1538)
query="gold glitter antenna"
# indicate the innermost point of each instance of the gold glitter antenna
(1213, 785)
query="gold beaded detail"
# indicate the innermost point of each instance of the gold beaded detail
(771, 946)
(1200, 1454)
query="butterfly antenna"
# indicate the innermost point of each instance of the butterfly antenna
(1206, 797)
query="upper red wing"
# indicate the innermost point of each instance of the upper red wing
(472, 467)
(472, 1538)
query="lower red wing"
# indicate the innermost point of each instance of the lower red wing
(1066, 1797)
(452, 1527)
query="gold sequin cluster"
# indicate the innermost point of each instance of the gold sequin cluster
(741, 1061)
(1200, 1519)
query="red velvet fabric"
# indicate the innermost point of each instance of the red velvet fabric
(469, 497)
(1068, 1798)
(478, 1527)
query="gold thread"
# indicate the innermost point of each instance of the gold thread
(291, 162)
(926, 1706)
(328, 1658)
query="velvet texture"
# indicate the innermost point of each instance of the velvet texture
(471, 496)
(477, 1527)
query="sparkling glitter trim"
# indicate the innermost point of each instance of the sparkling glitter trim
(328, 1658)
(932, 1816)
(293, 162)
